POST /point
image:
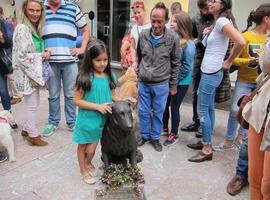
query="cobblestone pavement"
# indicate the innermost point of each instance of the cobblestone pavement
(52, 172)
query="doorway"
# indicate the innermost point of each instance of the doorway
(112, 21)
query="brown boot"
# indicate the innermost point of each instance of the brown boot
(36, 141)
(24, 134)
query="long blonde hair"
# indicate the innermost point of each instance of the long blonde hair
(24, 18)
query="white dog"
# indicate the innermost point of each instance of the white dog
(5, 136)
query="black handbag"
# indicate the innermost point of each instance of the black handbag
(5, 62)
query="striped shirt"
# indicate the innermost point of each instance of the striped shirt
(60, 30)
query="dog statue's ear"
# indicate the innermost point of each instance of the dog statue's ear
(132, 102)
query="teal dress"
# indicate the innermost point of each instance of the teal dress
(89, 123)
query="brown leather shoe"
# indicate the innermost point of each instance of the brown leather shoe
(15, 100)
(24, 134)
(36, 141)
(201, 157)
(196, 146)
(235, 186)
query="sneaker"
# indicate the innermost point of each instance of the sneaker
(142, 141)
(165, 132)
(222, 147)
(198, 134)
(157, 145)
(236, 185)
(49, 130)
(191, 127)
(3, 158)
(237, 143)
(172, 138)
(71, 129)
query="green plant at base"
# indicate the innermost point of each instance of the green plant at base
(116, 176)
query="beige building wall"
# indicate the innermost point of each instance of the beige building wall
(8, 9)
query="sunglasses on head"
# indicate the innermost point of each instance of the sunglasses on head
(137, 6)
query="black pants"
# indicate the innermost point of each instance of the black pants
(196, 81)
(175, 102)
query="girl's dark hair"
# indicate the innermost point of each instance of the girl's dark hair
(226, 11)
(201, 3)
(184, 24)
(257, 15)
(94, 49)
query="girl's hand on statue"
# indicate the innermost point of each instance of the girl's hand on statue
(104, 108)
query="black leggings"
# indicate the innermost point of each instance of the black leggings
(175, 102)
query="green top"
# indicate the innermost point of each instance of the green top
(38, 41)
(89, 123)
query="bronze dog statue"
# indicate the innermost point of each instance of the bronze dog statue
(118, 141)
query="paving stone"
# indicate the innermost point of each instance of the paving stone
(52, 172)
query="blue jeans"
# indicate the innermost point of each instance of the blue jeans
(174, 102)
(242, 162)
(5, 98)
(206, 103)
(65, 72)
(152, 98)
(241, 88)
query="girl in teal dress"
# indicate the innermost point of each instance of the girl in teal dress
(93, 94)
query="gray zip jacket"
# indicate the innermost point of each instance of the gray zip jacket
(159, 64)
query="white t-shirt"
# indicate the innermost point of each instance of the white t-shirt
(136, 30)
(216, 47)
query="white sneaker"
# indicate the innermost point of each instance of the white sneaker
(222, 147)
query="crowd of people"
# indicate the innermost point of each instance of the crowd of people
(169, 54)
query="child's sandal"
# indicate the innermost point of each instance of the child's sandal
(88, 179)
(92, 170)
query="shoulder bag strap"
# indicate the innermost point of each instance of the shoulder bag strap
(259, 87)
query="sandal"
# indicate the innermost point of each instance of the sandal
(87, 178)
(92, 170)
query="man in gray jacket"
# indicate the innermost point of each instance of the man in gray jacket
(158, 60)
